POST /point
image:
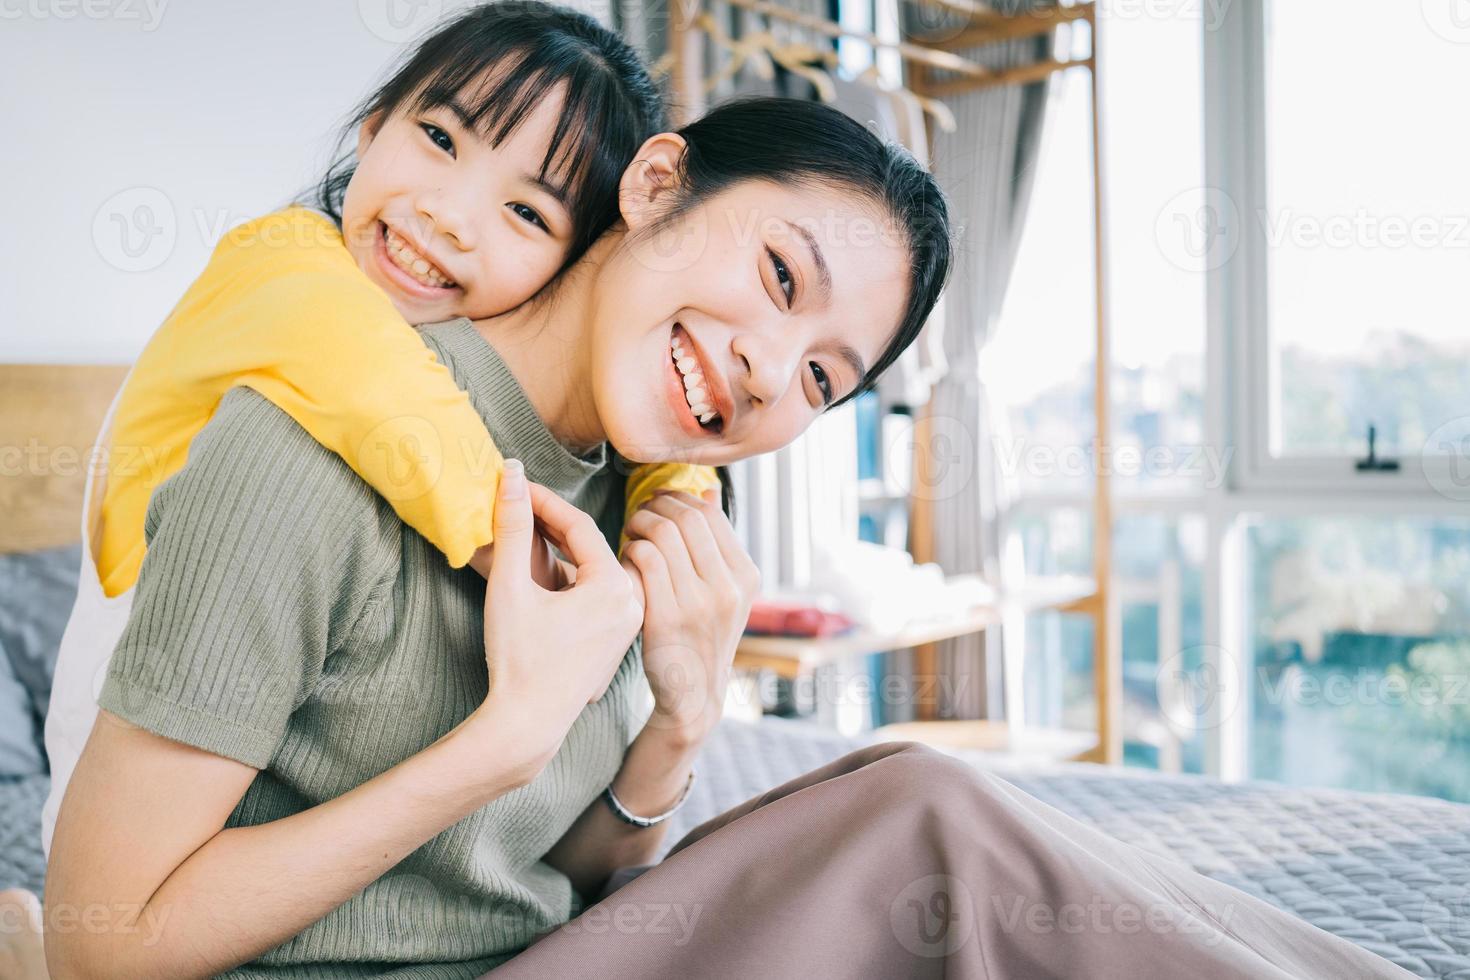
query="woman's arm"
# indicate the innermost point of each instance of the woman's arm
(138, 844)
(653, 775)
(698, 584)
(265, 552)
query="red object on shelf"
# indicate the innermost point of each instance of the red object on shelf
(780, 617)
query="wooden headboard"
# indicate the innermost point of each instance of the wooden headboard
(49, 417)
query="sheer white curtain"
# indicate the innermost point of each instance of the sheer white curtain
(986, 167)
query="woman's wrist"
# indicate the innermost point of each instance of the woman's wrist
(495, 753)
(655, 770)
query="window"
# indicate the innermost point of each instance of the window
(1357, 224)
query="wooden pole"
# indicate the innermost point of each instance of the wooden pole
(1107, 657)
(686, 78)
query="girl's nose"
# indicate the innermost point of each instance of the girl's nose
(448, 217)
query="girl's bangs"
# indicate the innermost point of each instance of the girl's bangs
(492, 93)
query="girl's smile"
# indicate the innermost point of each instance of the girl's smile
(411, 267)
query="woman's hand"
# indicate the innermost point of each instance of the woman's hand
(551, 653)
(547, 571)
(698, 585)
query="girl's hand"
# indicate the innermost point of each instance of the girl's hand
(698, 584)
(551, 653)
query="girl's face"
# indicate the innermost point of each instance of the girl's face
(779, 296)
(450, 226)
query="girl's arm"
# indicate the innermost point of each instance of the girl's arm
(649, 478)
(282, 308)
(298, 322)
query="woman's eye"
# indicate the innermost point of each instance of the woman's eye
(783, 277)
(440, 138)
(530, 214)
(823, 382)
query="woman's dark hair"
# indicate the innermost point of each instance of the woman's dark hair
(791, 141)
(611, 105)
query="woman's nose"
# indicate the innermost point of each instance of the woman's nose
(768, 362)
(448, 217)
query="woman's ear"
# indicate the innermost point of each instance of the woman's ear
(651, 179)
(368, 130)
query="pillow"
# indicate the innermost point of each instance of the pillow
(37, 590)
(20, 736)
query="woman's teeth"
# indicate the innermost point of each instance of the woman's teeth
(412, 262)
(695, 393)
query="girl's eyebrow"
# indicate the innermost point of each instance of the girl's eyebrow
(461, 113)
(557, 191)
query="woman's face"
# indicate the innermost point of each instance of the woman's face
(448, 225)
(779, 297)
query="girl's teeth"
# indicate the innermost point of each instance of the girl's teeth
(692, 381)
(686, 364)
(414, 264)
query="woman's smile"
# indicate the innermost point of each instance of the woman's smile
(695, 392)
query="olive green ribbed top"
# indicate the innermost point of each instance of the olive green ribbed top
(285, 617)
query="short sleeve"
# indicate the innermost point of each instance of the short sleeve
(262, 552)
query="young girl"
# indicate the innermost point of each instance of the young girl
(486, 164)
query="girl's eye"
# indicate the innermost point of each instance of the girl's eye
(530, 214)
(823, 382)
(440, 138)
(783, 277)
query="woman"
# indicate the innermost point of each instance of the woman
(302, 672)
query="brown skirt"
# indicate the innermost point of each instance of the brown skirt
(897, 860)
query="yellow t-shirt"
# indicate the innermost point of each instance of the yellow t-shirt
(283, 308)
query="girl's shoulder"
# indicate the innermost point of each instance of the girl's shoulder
(296, 233)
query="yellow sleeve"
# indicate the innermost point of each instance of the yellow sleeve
(648, 478)
(283, 308)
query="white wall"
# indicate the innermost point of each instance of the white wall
(133, 133)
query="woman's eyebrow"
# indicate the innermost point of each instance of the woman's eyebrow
(849, 354)
(824, 275)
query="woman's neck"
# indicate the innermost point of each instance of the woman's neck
(546, 344)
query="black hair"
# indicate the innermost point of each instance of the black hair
(793, 141)
(611, 103)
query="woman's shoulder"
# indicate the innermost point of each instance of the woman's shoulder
(254, 459)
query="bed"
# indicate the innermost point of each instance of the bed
(1391, 873)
